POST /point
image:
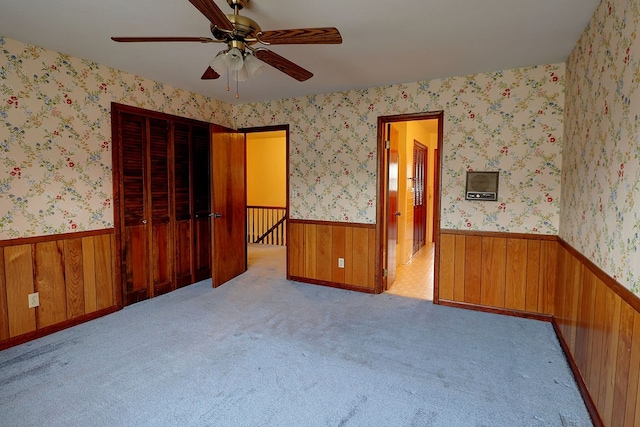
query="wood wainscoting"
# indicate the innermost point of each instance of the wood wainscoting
(510, 273)
(313, 249)
(597, 320)
(598, 323)
(73, 274)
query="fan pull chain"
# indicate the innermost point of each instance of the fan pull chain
(237, 85)
(228, 88)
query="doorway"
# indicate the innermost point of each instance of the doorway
(267, 194)
(409, 213)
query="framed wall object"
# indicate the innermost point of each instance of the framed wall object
(482, 186)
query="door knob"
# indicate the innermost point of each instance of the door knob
(398, 213)
(144, 221)
(217, 215)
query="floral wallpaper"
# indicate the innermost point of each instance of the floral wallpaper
(509, 121)
(55, 137)
(600, 209)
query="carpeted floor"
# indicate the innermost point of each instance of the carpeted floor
(262, 351)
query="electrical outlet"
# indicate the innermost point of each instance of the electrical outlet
(34, 300)
(340, 262)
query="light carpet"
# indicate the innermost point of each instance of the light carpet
(264, 351)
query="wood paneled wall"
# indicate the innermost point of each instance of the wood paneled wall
(313, 249)
(598, 322)
(512, 272)
(73, 274)
(596, 319)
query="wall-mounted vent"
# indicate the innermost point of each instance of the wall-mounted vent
(482, 186)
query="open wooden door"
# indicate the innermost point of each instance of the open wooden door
(228, 202)
(393, 211)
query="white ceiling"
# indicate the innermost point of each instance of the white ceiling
(384, 41)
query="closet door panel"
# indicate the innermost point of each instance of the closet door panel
(159, 188)
(182, 190)
(135, 241)
(202, 203)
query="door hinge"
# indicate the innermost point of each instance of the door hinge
(387, 144)
(385, 272)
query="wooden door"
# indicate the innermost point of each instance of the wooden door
(183, 233)
(133, 212)
(144, 201)
(392, 206)
(229, 202)
(201, 203)
(162, 198)
(420, 159)
(159, 189)
(434, 206)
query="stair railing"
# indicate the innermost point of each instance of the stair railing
(266, 225)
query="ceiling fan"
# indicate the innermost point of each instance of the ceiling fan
(241, 35)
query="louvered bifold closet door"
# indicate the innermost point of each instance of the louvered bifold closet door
(135, 250)
(202, 202)
(159, 188)
(183, 240)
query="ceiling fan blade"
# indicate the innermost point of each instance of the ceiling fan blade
(213, 13)
(283, 64)
(324, 35)
(163, 39)
(210, 74)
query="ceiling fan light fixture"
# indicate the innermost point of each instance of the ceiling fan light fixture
(241, 75)
(234, 59)
(253, 65)
(219, 63)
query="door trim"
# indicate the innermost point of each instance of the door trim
(381, 205)
(272, 128)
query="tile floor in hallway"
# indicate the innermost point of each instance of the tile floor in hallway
(415, 278)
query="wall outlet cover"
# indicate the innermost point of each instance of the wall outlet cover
(34, 300)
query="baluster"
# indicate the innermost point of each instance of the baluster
(253, 225)
(280, 229)
(264, 219)
(271, 225)
(255, 213)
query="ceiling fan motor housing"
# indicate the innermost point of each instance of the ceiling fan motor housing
(244, 28)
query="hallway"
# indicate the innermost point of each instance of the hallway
(415, 278)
